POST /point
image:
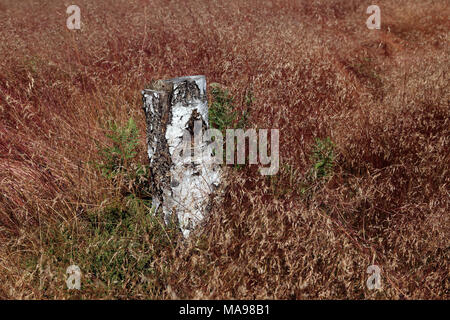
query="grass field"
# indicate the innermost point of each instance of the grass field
(364, 149)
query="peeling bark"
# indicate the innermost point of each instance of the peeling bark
(179, 186)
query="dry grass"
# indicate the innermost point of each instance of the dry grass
(315, 71)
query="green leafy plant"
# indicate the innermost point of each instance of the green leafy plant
(115, 246)
(119, 158)
(322, 156)
(122, 149)
(222, 112)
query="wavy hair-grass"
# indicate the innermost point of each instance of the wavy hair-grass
(315, 71)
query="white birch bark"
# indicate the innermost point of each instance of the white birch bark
(181, 186)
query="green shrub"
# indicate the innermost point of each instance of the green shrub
(119, 158)
(323, 157)
(117, 155)
(222, 112)
(115, 247)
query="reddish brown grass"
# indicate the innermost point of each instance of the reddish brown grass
(315, 71)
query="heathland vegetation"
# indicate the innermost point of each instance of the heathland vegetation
(364, 149)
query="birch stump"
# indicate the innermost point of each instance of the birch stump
(183, 173)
